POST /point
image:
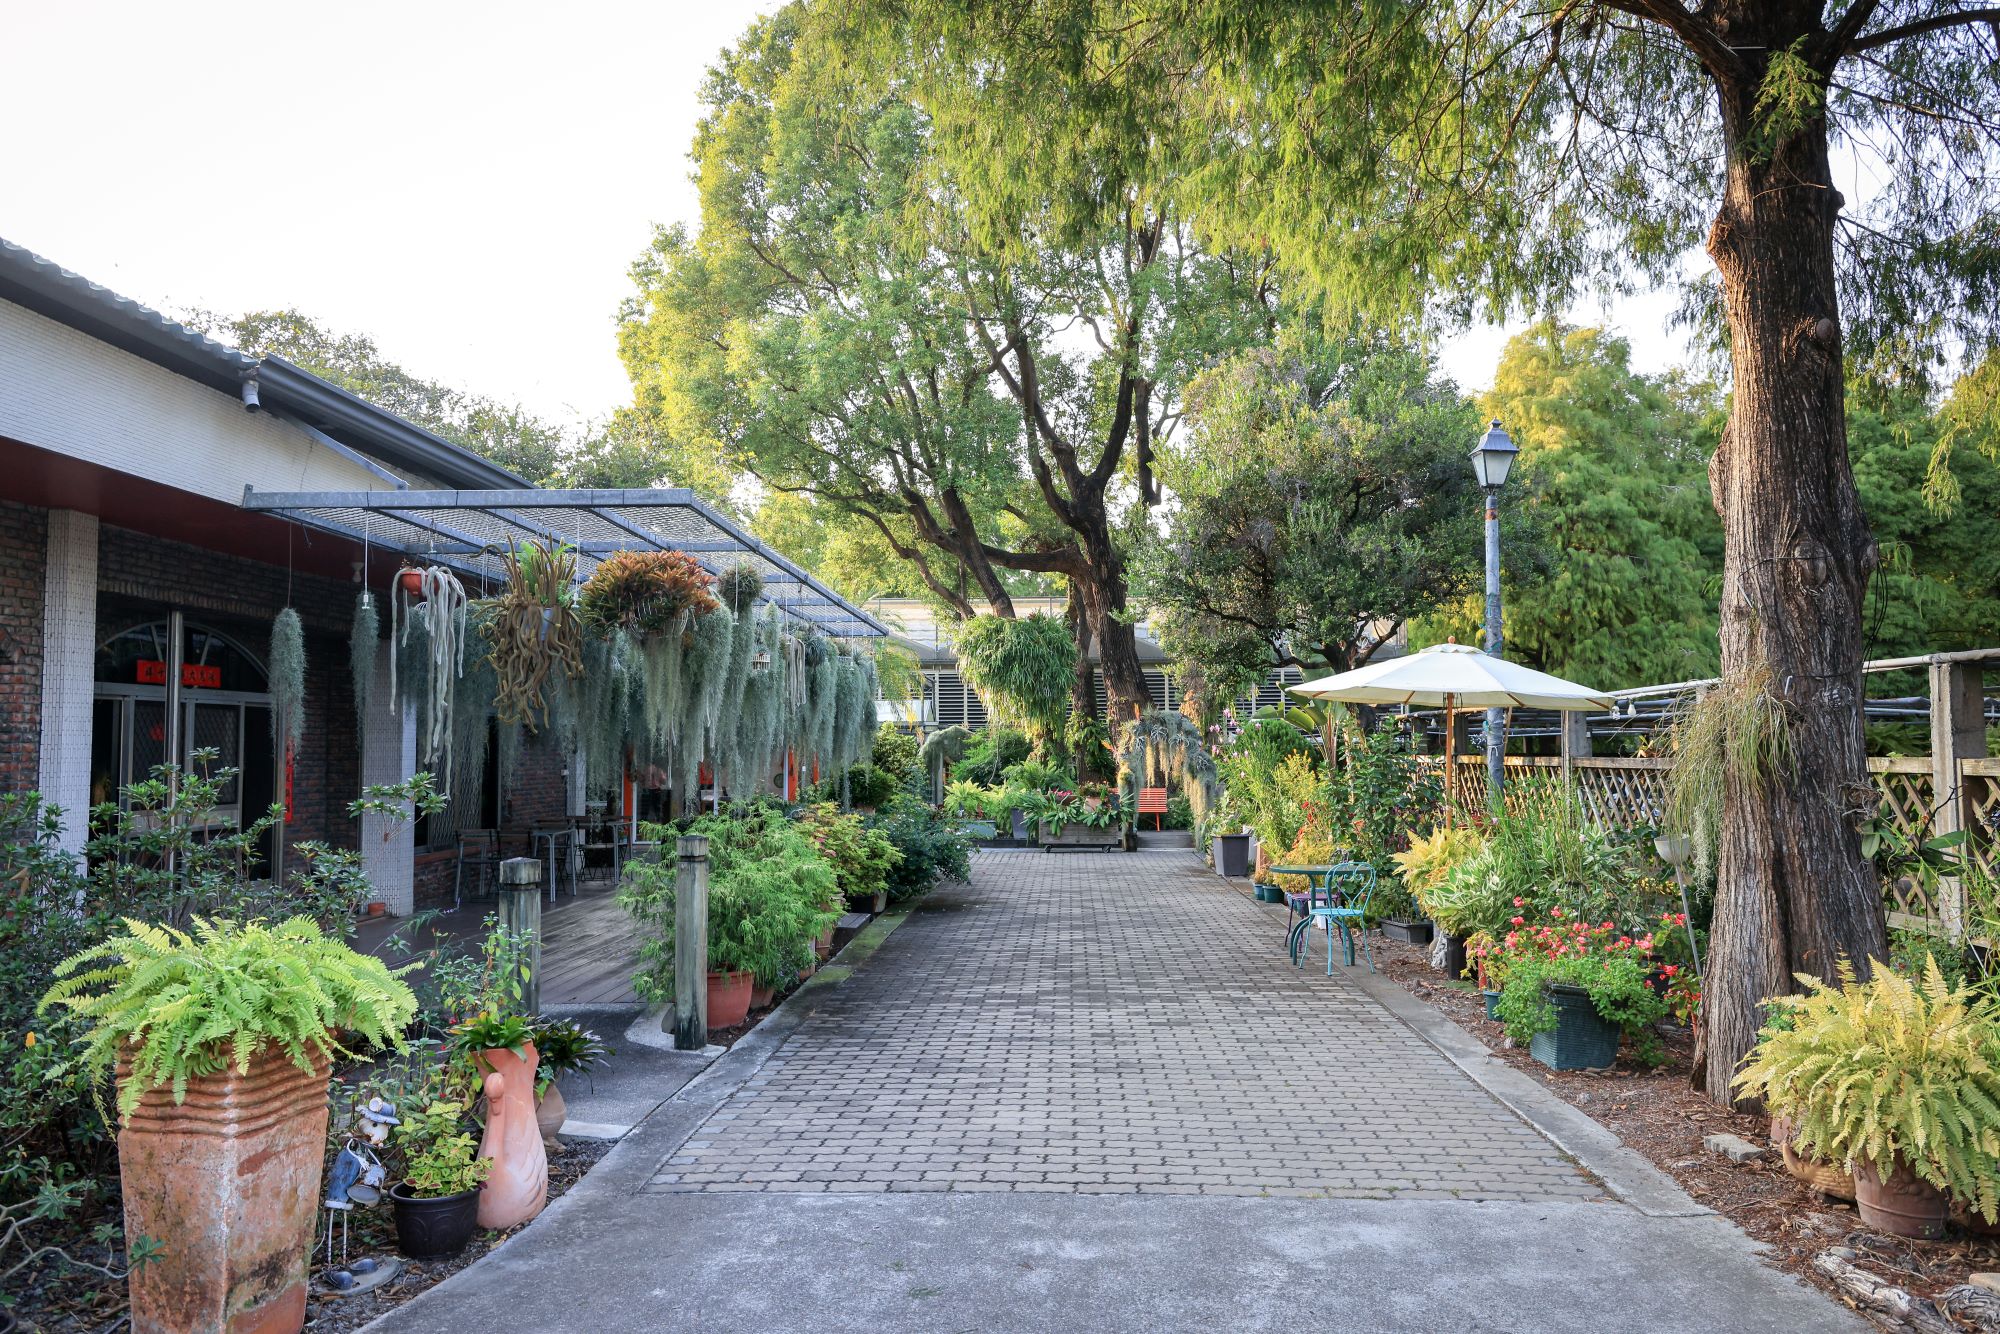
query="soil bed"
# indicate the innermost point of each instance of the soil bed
(1658, 1113)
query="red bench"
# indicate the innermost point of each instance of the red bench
(1153, 802)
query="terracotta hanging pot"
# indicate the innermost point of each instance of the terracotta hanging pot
(551, 1110)
(728, 999)
(411, 580)
(229, 1181)
(1900, 1203)
(518, 1185)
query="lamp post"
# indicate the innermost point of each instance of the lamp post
(1492, 457)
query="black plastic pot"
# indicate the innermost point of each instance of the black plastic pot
(1232, 855)
(1454, 955)
(1417, 932)
(431, 1228)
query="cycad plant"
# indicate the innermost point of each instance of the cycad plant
(183, 1005)
(1892, 1068)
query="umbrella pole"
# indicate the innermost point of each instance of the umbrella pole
(1450, 763)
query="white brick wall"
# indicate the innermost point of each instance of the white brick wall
(63, 390)
(388, 755)
(69, 656)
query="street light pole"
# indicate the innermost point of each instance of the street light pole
(1492, 457)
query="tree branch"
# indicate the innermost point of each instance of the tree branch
(1918, 27)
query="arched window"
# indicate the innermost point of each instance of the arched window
(225, 707)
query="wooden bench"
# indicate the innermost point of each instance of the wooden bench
(1153, 802)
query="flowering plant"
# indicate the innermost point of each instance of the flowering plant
(1613, 967)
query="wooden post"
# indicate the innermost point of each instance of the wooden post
(520, 898)
(1575, 744)
(1958, 733)
(691, 944)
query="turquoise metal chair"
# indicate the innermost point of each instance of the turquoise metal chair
(1351, 885)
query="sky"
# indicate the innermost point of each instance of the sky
(467, 184)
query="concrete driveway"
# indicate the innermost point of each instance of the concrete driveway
(1089, 1091)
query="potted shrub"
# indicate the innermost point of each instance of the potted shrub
(1572, 990)
(564, 1047)
(221, 1039)
(436, 1204)
(1896, 1078)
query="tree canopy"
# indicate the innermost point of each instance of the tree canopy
(1322, 500)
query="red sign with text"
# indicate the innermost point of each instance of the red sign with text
(202, 675)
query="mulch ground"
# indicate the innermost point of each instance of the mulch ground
(374, 1233)
(1659, 1114)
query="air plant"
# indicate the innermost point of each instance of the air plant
(288, 678)
(363, 642)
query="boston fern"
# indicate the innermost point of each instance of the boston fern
(183, 1005)
(1893, 1067)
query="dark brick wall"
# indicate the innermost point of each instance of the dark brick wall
(140, 578)
(23, 566)
(536, 793)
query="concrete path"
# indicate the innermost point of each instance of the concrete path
(1089, 1091)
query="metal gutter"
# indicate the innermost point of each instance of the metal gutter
(326, 405)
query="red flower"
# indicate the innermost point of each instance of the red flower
(1517, 921)
(1671, 970)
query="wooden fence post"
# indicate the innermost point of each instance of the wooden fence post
(1958, 733)
(520, 898)
(1575, 744)
(691, 944)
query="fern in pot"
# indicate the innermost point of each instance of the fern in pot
(221, 1040)
(1898, 1077)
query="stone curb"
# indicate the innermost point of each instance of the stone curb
(1626, 1173)
(637, 1157)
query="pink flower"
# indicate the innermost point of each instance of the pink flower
(1517, 921)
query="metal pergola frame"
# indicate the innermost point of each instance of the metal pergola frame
(468, 531)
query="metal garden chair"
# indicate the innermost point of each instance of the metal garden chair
(1350, 886)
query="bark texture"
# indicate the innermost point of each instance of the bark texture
(1794, 894)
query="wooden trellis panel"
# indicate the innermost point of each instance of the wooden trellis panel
(1980, 783)
(1622, 793)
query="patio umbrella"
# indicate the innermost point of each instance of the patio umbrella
(1453, 677)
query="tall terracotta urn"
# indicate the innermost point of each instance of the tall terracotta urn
(518, 1185)
(227, 1182)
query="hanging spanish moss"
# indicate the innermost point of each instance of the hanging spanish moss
(738, 588)
(665, 697)
(409, 661)
(512, 736)
(820, 718)
(605, 714)
(471, 704)
(1162, 748)
(742, 653)
(363, 642)
(853, 712)
(763, 707)
(443, 619)
(705, 672)
(288, 678)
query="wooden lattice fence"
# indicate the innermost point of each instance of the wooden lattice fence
(1631, 793)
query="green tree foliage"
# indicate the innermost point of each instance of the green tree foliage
(834, 331)
(1613, 470)
(1022, 669)
(1323, 500)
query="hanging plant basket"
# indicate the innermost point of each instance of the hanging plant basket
(411, 580)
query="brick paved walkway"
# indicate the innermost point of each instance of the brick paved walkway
(1110, 1024)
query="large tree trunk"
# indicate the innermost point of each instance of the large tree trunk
(1794, 894)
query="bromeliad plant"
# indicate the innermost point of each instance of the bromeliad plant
(1889, 1069)
(184, 1005)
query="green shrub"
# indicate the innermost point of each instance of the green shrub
(440, 1154)
(930, 848)
(989, 755)
(186, 1005)
(862, 858)
(1035, 776)
(770, 895)
(895, 754)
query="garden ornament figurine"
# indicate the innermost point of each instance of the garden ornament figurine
(517, 1186)
(356, 1177)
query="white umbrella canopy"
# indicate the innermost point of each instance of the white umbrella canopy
(1454, 676)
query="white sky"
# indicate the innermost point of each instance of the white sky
(465, 183)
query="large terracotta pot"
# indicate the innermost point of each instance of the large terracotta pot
(551, 1110)
(228, 1181)
(1900, 1204)
(728, 999)
(1826, 1178)
(761, 996)
(518, 1185)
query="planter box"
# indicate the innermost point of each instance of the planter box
(229, 1180)
(1232, 855)
(1083, 836)
(1416, 932)
(1581, 1039)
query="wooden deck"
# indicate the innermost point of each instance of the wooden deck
(590, 947)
